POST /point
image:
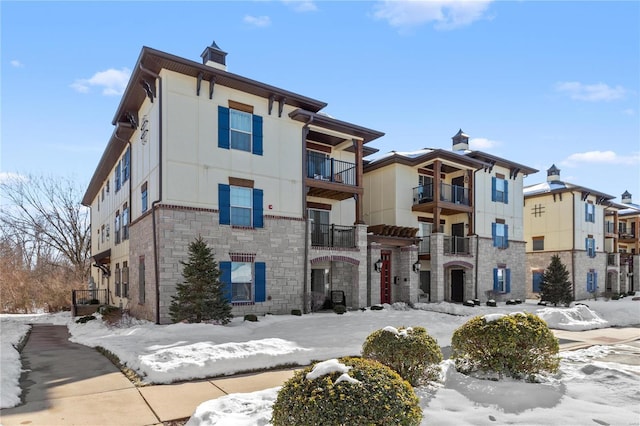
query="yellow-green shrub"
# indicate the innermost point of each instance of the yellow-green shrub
(517, 345)
(410, 351)
(381, 397)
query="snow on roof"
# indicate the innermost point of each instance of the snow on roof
(543, 187)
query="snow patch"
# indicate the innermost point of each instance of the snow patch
(327, 367)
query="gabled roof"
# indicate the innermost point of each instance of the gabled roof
(560, 186)
(471, 159)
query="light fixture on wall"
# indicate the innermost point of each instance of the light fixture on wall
(378, 265)
(416, 266)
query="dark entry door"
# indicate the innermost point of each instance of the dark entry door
(385, 277)
(457, 285)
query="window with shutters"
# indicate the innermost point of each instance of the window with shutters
(240, 206)
(501, 280)
(499, 190)
(243, 280)
(500, 234)
(239, 128)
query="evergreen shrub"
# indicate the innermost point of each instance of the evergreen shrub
(85, 319)
(339, 309)
(517, 345)
(296, 312)
(251, 318)
(409, 351)
(370, 394)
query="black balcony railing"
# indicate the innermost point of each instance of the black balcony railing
(612, 259)
(449, 193)
(330, 235)
(610, 228)
(456, 245)
(90, 297)
(321, 167)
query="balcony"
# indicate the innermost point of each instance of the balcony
(610, 228)
(330, 178)
(330, 235)
(612, 259)
(456, 245)
(452, 245)
(453, 199)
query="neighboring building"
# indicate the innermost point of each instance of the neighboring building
(273, 185)
(622, 245)
(445, 225)
(576, 224)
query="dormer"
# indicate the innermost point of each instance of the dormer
(213, 56)
(626, 198)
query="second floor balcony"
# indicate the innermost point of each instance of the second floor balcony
(325, 168)
(331, 235)
(452, 198)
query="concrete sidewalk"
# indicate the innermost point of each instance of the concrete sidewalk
(71, 384)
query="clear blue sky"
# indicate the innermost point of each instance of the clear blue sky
(536, 82)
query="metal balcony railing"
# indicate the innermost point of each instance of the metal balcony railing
(612, 259)
(450, 193)
(610, 228)
(321, 167)
(456, 245)
(330, 235)
(90, 297)
(425, 246)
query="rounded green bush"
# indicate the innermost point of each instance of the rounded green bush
(339, 309)
(372, 394)
(517, 345)
(410, 352)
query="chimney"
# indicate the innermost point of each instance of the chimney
(553, 174)
(214, 57)
(460, 141)
(626, 198)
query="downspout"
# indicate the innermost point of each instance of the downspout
(156, 264)
(573, 244)
(305, 296)
(477, 237)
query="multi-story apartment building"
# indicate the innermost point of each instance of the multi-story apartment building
(581, 226)
(622, 245)
(445, 225)
(271, 183)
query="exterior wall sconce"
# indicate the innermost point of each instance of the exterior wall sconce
(416, 266)
(378, 265)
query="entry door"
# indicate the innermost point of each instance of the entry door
(385, 277)
(457, 285)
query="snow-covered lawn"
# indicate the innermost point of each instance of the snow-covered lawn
(586, 390)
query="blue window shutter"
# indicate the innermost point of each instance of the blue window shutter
(223, 127)
(507, 279)
(225, 278)
(493, 189)
(261, 281)
(506, 192)
(537, 282)
(493, 234)
(586, 245)
(224, 203)
(257, 135)
(258, 221)
(595, 281)
(495, 280)
(506, 236)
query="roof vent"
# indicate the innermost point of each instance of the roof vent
(213, 56)
(460, 141)
(626, 198)
(553, 174)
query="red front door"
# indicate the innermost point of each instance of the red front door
(385, 277)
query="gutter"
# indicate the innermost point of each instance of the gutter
(115, 134)
(156, 264)
(573, 244)
(305, 281)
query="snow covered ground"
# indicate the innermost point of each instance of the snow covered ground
(587, 389)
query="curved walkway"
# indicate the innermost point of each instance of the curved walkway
(67, 383)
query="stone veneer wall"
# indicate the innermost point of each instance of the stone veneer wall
(141, 244)
(513, 257)
(280, 244)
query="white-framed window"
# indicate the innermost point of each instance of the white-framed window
(501, 279)
(590, 213)
(144, 197)
(499, 190)
(240, 124)
(125, 222)
(241, 206)
(242, 282)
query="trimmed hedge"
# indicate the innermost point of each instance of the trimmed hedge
(379, 397)
(410, 352)
(517, 345)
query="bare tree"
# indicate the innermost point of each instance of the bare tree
(46, 222)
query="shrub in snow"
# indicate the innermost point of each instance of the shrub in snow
(517, 345)
(410, 351)
(349, 391)
(251, 318)
(339, 309)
